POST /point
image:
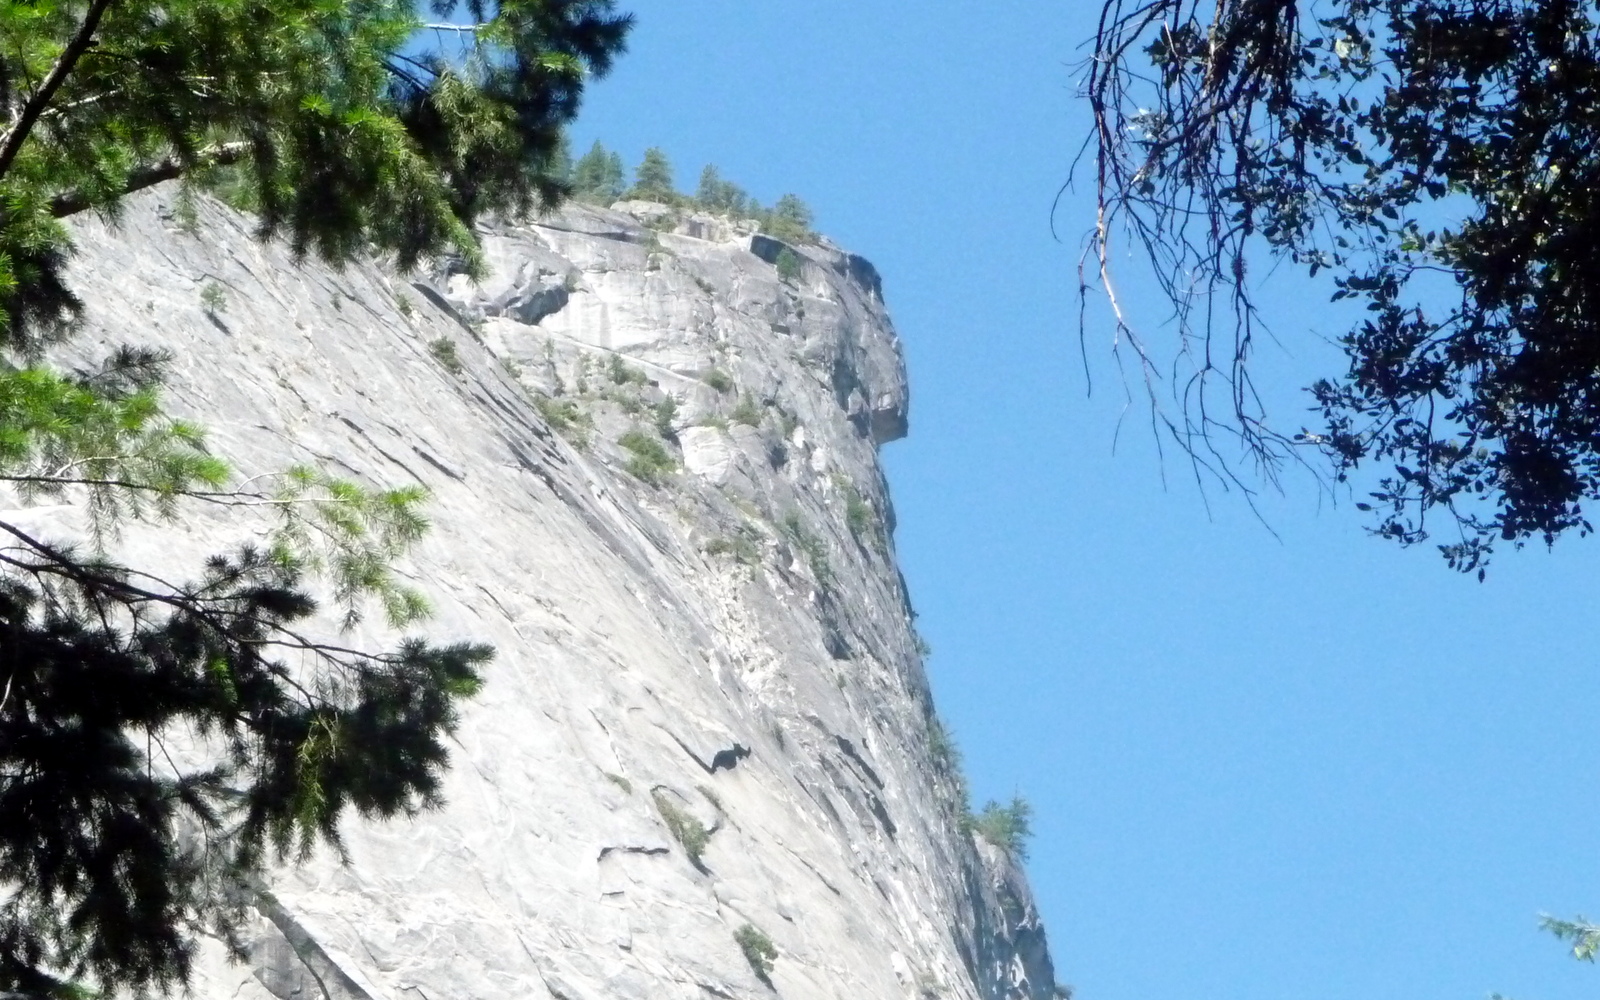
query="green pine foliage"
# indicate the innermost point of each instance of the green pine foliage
(653, 178)
(942, 747)
(717, 195)
(789, 265)
(946, 755)
(862, 519)
(666, 413)
(597, 176)
(648, 458)
(1008, 827)
(347, 129)
(747, 412)
(623, 373)
(741, 547)
(561, 164)
(213, 299)
(1583, 936)
(444, 351)
(789, 220)
(758, 950)
(566, 418)
(1433, 163)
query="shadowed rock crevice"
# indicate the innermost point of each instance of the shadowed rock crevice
(289, 962)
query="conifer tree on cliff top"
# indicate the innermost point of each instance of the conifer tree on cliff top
(350, 126)
(653, 176)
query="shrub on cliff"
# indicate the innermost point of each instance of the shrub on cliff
(648, 458)
(690, 833)
(758, 950)
(346, 128)
(1008, 827)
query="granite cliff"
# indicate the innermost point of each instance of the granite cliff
(653, 454)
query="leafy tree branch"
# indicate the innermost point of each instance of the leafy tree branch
(1436, 163)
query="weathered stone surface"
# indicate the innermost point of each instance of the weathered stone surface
(732, 640)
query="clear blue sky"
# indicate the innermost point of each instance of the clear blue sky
(1307, 766)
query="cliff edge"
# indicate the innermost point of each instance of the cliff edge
(652, 443)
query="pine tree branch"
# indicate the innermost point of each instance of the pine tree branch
(36, 105)
(226, 498)
(402, 74)
(59, 564)
(168, 169)
(341, 657)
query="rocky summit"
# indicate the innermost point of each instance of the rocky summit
(705, 762)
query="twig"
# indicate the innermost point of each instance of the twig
(81, 42)
(171, 168)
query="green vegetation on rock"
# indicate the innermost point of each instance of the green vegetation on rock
(623, 373)
(666, 414)
(747, 412)
(741, 547)
(1008, 827)
(726, 197)
(213, 298)
(789, 265)
(566, 418)
(598, 177)
(789, 220)
(620, 782)
(649, 460)
(814, 549)
(689, 832)
(758, 950)
(443, 350)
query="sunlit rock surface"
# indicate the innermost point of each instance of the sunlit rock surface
(747, 597)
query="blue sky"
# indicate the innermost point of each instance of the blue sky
(1298, 763)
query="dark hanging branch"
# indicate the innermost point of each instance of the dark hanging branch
(1434, 161)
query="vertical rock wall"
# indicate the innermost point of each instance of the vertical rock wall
(700, 628)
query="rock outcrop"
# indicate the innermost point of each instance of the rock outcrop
(652, 447)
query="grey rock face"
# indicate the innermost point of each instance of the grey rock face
(700, 627)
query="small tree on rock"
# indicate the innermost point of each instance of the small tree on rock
(1008, 827)
(653, 177)
(790, 220)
